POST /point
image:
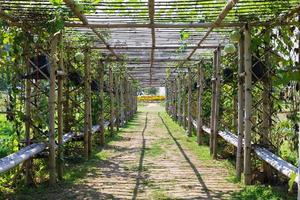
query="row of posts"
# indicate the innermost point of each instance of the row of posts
(123, 105)
(179, 101)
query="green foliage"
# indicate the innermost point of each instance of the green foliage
(151, 91)
(260, 193)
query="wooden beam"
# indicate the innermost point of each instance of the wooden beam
(174, 25)
(230, 4)
(155, 47)
(77, 11)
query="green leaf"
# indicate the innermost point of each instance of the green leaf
(56, 2)
(292, 180)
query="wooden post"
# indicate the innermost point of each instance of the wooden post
(199, 113)
(298, 181)
(217, 103)
(184, 101)
(87, 106)
(189, 102)
(241, 95)
(213, 102)
(122, 106)
(60, 125)
(101, 103)
(167, 95)
(266, 107)
(28, 164)
(117, 100)
(179, 115)
(52, 163)
(112, 101)
(248, 105)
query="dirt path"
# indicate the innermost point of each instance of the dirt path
(148, 162)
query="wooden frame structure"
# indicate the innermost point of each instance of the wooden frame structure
(151, 41)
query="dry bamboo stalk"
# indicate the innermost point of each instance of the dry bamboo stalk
(112, 100)
(60, 100)
(241, 99)
(266, 108)
(117, 100)
(101, 104)
(213, 101)
(199, 113)
(122, 106)
(248, 105)
(298, 181)
(217, 103)
(189, 102)
(183, 102)
(28, 165)
(87, 99)
(52, 163)
(178, 99)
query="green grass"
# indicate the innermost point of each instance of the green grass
(254, 192)
(155, 150)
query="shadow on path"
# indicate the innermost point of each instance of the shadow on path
(140, 169)
(205, 189)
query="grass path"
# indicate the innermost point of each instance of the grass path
(151, 159)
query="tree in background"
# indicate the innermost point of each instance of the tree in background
(151, 91)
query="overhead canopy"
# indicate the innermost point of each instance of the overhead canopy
(152, 35)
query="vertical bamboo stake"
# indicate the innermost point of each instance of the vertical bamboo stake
(189, 102)
(87, 106)
(66, 105)
(199, 113)
(167, 95)
(117, 113)
(122, 106)
(52, 163)
(241, 99)
(298, 181)
(248, 105)
(217, 103)
(184, 101)
(179, 116)
(28, 177)
(60, 100)
(101, 103)
(112, 101)
(266, 109)
(213, 102)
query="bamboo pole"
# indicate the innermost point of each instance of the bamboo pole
(112, 100)
(167, 95)
(87, 105)
(248, 105)
(189, 102)
(200, 111)
(60, 100)
(184, 101)
(241, 94)
(179, 114)
(101, 104)
(28, 164)
(213, 102)
(298, 181)
(266, 107)
(217, 103)
(51, 99)
(122, 106)
(117, 100)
